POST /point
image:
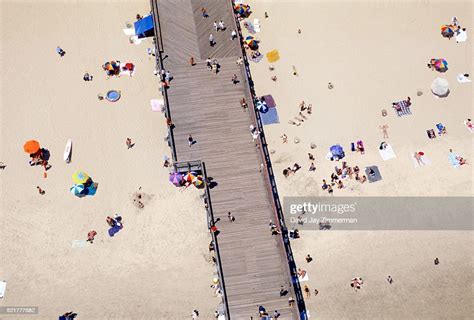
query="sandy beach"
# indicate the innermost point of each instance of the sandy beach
(374, 53)
(158, 265)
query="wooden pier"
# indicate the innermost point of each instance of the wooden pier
(255, 264)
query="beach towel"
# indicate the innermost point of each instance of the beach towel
(441, 128)
(376, 176)
(470, 128)
(129, 31)
(387, 153)
(461, 36)
(114, 230)
(424, 159)
(273, 56)
(249, 26)
(431, 133)
(270, 117)
(79, 243)
(402, 108)
(157, 105)
(462, 78)
(269, 101)
(452, 157)
(256, 25)
(3, 288)
(305, 278)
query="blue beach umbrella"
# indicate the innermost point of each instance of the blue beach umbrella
(77, 189)
(337, 151)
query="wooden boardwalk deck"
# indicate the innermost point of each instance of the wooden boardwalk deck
(207, 105)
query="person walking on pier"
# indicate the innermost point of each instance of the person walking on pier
(191, 140)
(216, 27)
(234, 79)
(221, 25)
(209, 63)
(231, 217)
(204, 13)
(233, 35)
(211, 40)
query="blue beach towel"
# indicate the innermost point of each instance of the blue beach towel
(114, 230)
(269, 117)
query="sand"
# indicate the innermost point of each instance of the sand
(374, 53)
(157, 266)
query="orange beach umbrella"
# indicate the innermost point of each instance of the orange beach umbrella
(31, 146)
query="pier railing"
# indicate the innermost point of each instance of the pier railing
(189, 165)
(158, 41)
(270, 175)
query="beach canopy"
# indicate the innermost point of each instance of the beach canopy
(176, 179)
(144, 27)
(447, 31)
(440, 87)
(273, 56)
(440, 65)
(80, 177)
(31, 146)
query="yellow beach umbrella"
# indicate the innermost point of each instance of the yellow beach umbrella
(80, 177)
(273, 56)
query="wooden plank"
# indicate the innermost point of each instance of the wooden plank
(207, 105)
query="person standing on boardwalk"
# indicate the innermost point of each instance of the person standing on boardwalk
(233, 35)
(231, 217)
(234, 79)
(191, 140)
(204, 13)
(211, 40)
(209, 63)
(191, 61)
(216, 27)
(221, 25)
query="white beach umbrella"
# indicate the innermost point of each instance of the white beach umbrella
(440, 87)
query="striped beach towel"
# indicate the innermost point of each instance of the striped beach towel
(402, 108)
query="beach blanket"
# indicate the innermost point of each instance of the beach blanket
(3, 288)
(376, 176)
(256, 25)
(79, 243)
(402, 108)
(471, 129)
(424, 159)
(387, 153)
(249, 26)
(305, 278)
(269, 101)
(157, 105)
(270, 117)
(273, 56)
(256, 59)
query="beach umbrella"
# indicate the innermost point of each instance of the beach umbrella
(242, 9)
(80, 177)
(251, 42)
(92, 189)
(447, 31)
(77, 189)
(337, 151)
(190, 176)
(441, 65)
(176, 179)
(440, 87)
(31, 146)
(198, 181)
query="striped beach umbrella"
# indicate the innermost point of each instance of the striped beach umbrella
(77, 189)
(198, 182)
(441, 65)
(190, 176)
(447, 31)
(80, 177)
(242, 9)
(251, 42)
